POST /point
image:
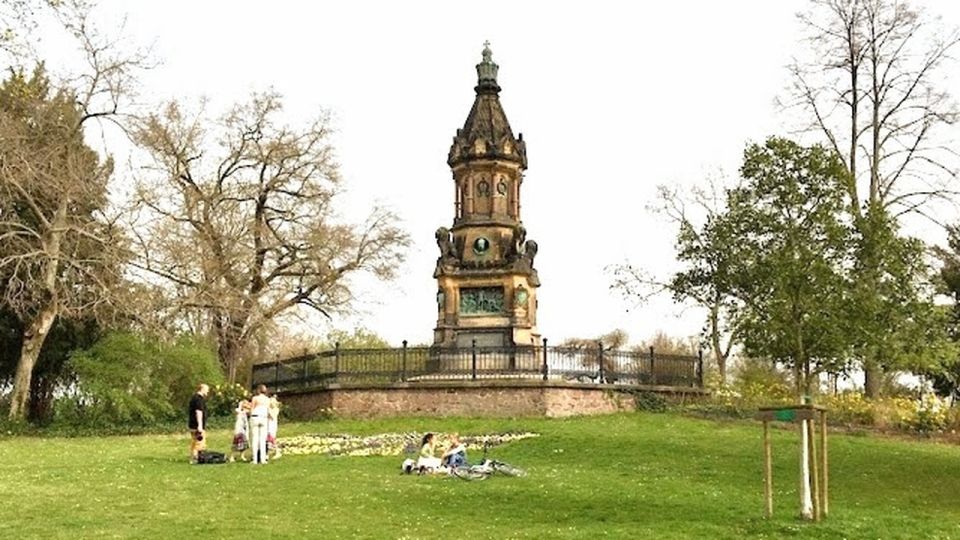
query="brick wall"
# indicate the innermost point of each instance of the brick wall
(464, 398)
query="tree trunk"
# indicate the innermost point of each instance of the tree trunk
(33, 338)
(37, 329)
(853, 52)
(230, 347)
(40, 409)
(718, 352)
(872, 377)
(229, 358)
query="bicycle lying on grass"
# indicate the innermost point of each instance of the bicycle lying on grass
(486, 468)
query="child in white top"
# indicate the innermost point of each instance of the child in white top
(241, 439)
(273, 418)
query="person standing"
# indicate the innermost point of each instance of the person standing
(259, 412)
(197, 421)
(241, 431)
(273, 421)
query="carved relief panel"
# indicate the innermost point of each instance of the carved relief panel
(482, 193)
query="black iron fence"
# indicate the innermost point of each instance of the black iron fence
(414, 364)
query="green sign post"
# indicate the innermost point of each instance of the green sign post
(807, 415)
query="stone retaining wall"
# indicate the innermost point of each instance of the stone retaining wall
(468, 398)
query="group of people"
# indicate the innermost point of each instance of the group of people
(255, 428)
(453, 456)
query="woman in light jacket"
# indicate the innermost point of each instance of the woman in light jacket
(259, 411)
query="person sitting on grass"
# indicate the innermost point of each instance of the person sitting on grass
(456, 453)
(428, 462)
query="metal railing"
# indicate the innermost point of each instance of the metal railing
(588, 365)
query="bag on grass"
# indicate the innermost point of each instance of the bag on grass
(207, 457)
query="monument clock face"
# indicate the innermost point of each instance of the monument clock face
(481, 245)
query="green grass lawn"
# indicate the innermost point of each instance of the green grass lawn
(628, 475)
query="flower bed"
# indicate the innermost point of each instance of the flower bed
(386, 444)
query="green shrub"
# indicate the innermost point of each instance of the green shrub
(649, 401)
(127, 378)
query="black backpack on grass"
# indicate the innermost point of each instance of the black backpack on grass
(207, 457)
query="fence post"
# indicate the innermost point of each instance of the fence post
(403, 363)
(473, 360)
(336, 361)
(545, 367)
(600, 373)
(653, 367)
(700, 368)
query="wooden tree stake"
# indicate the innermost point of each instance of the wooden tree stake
(814, 469)
(767, 471)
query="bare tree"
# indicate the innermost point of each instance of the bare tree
(870, 84)
(701, 281)
(17, 21)
(58, 256)
(664, 343)
(238, 214)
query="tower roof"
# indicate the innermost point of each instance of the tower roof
(486, 134)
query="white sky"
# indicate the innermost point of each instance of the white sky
(613, 98)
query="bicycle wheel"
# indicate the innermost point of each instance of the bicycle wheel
(467, 473)
(508, 470)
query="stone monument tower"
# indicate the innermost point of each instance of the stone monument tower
(486, 280)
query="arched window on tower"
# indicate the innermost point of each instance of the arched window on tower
(458, 200)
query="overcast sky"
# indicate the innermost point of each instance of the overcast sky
(613, 98)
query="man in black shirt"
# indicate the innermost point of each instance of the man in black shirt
(197, 421)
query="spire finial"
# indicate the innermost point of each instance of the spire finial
(487, 70)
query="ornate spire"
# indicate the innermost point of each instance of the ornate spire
(486, 134)
(487, 71)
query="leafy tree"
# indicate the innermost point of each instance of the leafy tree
(704, 279)
(946, 378)
(60, 253)
(891, 313)
(56, 258)
(130, 378)
(870, 83)
(253, 201)
(790, 248)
